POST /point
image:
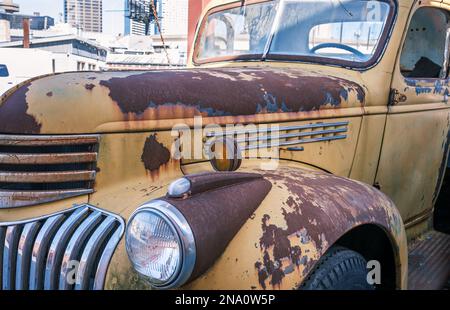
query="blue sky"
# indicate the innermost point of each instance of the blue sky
(113, 20)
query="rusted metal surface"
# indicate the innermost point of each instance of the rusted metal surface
(304, 214)
(155, 154)
(429, 262)
(318, 210)
(11, 140)
(14, 117)
(39, 159)
(136, 96)
(206, 181)
(230, 91)
(216, 215)
(16, 199)
(47, 177)
(40, 169)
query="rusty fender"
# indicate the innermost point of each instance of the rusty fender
(304, 214)
(216, 208)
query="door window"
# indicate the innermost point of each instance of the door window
(424, 54)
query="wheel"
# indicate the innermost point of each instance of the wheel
(339, 269)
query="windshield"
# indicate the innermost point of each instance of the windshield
(342, 30)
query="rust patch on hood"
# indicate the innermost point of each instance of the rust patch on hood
(125, 99)
(155, 154)
(89, 86)
(231, 92)
(13, 113)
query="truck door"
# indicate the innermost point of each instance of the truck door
(415, 141)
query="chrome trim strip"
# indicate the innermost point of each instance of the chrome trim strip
(277, 129)
(185, 234)
(105, 258)
(24, 252)
(287, 136)
(287, 143)
(72, 252)
(91, 251)
(58, 245)
(40, 249)
(10, 256)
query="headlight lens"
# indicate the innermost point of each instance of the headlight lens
(154, 246)
(161, 245)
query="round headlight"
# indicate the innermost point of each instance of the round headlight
(160, 244)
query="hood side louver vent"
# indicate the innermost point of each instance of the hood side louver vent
(40, 169)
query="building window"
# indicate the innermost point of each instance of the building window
(81, 66)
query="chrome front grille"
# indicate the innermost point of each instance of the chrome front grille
(40, 169)
(67, 250)
(284, 135)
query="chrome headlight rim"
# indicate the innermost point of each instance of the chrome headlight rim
(178, 223)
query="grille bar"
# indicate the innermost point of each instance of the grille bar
(91, 251)
(40, 249)
(72, 252)
(46, 177)
(41, 169)
(40, 253)
(24, 252)
(23, 198)
(47, 159)
(58, 245)
(9, 140)
(9, 256)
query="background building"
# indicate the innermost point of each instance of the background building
(136, 27)
(173, 16)
(7, 7)
(86, 15)
(37, 22)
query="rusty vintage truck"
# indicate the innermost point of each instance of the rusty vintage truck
(92, 195)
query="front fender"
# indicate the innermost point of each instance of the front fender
(304, 214)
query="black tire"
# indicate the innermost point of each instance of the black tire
(339, 269)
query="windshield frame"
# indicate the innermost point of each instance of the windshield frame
(375, 59)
